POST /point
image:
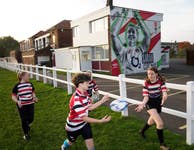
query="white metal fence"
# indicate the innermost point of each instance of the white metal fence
(41, 71)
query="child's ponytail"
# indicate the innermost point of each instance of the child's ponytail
(20, 75)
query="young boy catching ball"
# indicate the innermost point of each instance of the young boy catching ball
(78, 121)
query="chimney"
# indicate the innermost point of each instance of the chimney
(109, 3)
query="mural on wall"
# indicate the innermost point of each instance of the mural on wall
(135, 40)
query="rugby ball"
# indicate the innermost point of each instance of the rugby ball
(118, 105)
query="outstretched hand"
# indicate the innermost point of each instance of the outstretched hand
(164, 98)
(105, 98)
(106, 119)
(140, 107)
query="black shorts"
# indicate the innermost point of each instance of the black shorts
(154, 103)
(86, 133)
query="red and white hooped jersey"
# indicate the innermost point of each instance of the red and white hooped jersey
(79, 104)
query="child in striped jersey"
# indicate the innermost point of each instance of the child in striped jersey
(23, 94)
(155, 94)
(93, 87)
(78, 121)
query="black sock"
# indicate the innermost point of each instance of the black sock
(160, 135)
(146, 126)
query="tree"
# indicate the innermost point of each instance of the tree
(184, 45)
(7, 44)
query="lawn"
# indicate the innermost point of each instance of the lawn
(50, 115)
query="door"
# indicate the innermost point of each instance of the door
(75, 60)
(85, 56)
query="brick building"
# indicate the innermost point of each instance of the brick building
(38, 48)
(58, 36)
(27, 49)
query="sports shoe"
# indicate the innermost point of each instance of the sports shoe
(164, 147)
(26, 137)
(62, 147)
(142, 134)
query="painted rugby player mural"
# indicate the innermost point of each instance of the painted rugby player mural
(135, 40)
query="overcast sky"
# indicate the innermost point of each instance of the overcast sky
(23, 18)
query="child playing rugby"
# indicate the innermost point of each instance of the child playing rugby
(23, 94)
(155, 94)
(78, 121)
(93, 87)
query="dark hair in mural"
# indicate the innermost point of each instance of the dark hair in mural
(155, 70)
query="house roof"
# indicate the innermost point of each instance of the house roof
(64, 24)
(40, 33)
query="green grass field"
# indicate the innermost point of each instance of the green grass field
(50, 115)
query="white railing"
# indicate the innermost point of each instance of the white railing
(36, 71)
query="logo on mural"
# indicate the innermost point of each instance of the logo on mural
(132, 40)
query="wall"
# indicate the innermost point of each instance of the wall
(76, 59)
(104, 66)
(17, 55)
(86, 38)
(46, 53)
(63, 58)
(135, 40)
(28, 57)
(190, 57)
(64, 38)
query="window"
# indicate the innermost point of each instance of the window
(40, 44)
(75, 31)
(54, 39)
(47, 41)
(36, 45)
(100, 53)
(99, 25)
(44, 42)
(26, 46)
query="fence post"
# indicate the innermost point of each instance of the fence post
(44, 74)
(15, 67)
(22, 67)
(37, 72)
(18, 67)
(31, 75)
(190, 113)
(123, 92)
(26, 67)
(69, 86)
(54, 77)
(10, 66)
(6, 65)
